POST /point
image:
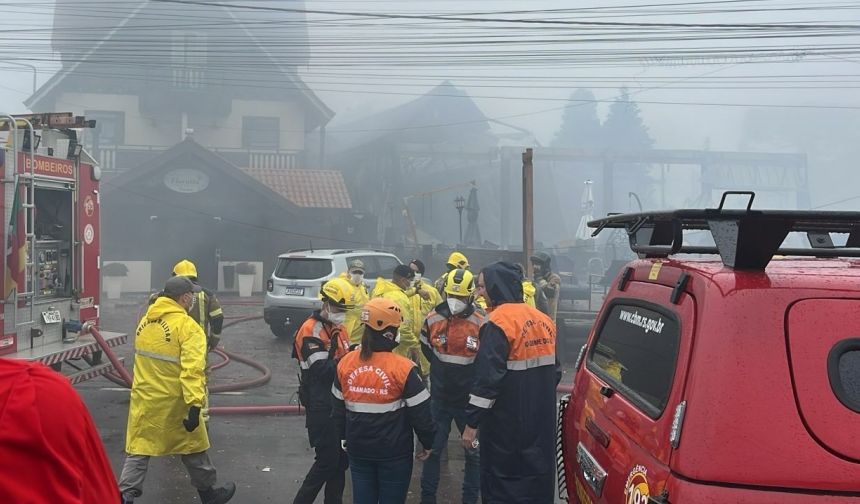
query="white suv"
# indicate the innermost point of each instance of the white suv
(292, 292)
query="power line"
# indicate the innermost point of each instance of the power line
(792, 26)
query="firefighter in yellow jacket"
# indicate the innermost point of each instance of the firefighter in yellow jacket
(395, 290)
(168, 393)
(357, 297)
(424, 298)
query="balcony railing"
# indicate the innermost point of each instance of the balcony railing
(187, 78)
(120, 158)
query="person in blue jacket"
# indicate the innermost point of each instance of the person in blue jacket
(511, 413)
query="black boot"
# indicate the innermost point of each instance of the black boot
(218, 495)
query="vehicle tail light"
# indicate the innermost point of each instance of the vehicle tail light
(270, 285)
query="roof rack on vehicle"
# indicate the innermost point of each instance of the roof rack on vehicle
(744, 238)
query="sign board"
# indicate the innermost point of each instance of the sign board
(47, 166)
(186, 180)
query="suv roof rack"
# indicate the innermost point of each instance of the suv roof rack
(744, 239)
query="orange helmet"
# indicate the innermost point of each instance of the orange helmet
(381, 313)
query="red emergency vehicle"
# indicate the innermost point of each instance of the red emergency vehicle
(730, 380)
(51, 287)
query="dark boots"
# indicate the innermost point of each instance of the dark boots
(218, 495)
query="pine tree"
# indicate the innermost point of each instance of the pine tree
(624, 128)
(580, 126)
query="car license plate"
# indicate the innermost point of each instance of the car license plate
(294, 291)
(52, 317)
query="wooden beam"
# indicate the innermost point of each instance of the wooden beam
(528, 210)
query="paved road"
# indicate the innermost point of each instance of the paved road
(266, 455)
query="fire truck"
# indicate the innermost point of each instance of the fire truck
(51, 288)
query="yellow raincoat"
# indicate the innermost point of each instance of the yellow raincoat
(169, 362)
(529, 291)
(420, 310)
(357, 298)
(409, 345)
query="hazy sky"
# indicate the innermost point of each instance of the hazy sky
(522, 72)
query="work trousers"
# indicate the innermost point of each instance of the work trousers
(380, 481)
(330, 462)
(199, 467)
(443, 415)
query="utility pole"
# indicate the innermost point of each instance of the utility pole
(528, 210)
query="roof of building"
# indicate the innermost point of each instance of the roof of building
(306, 188)
(81, 49)
(215, 164)
(444, 113)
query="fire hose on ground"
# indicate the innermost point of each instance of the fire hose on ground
(123, 377)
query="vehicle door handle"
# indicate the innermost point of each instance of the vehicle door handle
(593, 475)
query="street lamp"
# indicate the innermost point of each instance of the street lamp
(26, 65)
(460, 204)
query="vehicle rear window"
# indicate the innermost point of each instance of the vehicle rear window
(379, 266)
(845, 373)
(303, 268)
(635, 352)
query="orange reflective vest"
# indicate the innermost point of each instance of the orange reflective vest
(531, 335)
(375, 385)
(379, 403)
(318, 343)
(453, 340)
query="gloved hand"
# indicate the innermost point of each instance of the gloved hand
(193, 420)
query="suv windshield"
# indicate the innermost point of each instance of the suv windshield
(303, 268)
(635, 353)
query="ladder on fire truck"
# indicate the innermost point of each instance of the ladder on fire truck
(88, 350)
(32, 122)
(10, 123)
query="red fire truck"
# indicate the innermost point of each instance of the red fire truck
(51, 287)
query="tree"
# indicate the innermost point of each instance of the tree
(624, 127)
(580, 126)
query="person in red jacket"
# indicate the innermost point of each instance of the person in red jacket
(379, 400)
(50, 450)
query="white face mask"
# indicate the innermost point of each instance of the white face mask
(456, 306)
(417, 277)
(337, 318)
(356, 278)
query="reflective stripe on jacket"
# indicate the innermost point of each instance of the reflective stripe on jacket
(318, 344)
(206, 311)
(379, 403)
(512, 403)
(421, 308)
(451, 343)
(169, 362)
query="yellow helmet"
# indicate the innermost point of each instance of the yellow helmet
(185, 268)
(460, 282)
(381, 313)
(458, 260)
(337, 291)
